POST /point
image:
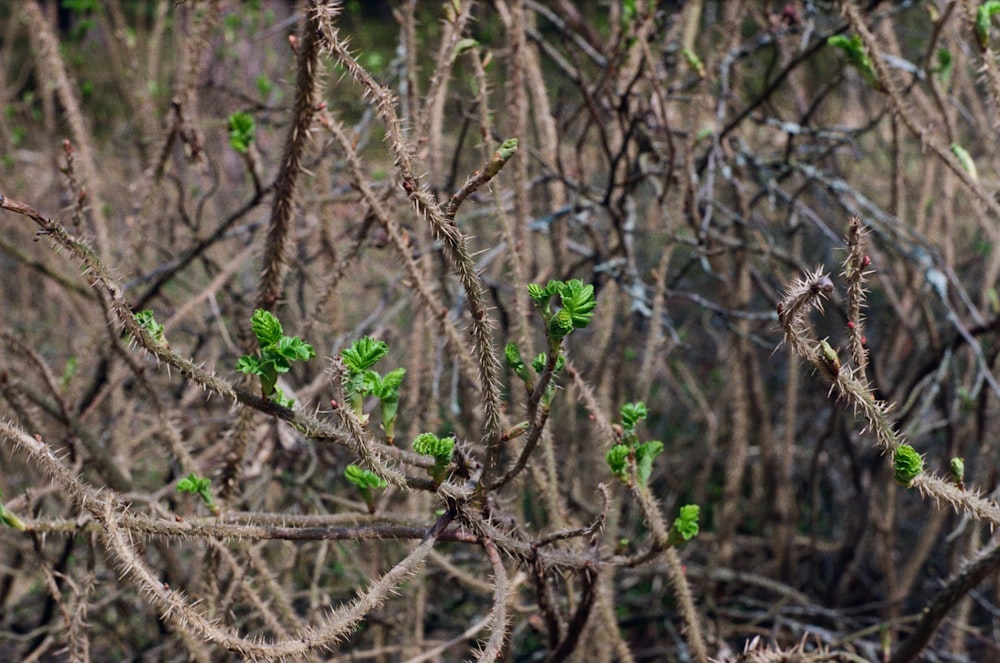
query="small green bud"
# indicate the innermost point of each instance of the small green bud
(685, 527)
(440, 448)
(907, 465)
(958, 471)
(829, 358)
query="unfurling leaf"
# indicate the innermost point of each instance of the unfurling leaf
(617, 458)
(685, 527)
(907, 465)
(965, 159)
(266, 327)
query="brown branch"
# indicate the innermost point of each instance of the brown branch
(306, 97)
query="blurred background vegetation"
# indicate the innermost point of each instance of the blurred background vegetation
(688, 159)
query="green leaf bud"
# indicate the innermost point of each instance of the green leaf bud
(907, 465)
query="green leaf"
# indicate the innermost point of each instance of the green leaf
(579, 300)
(561, 324)
(363, 354)
(429, 444)
(241, 131)
(266, 327)
(617, 459)
(389, 387)
(294, 348)
(944, 66)
(9, 518)
(645, 454)
(965, 159)
(512, 354)
(538, 294)
(68, 372)
(250, 364)
(984, 17)
(500, 157)
(507, 149)
(907, 465)
(854, 49)
(632, 414)
(958, 471)
(539, 363)
(201, 486)
(464, 45)
(364, 478)
(148, 322)
(685, 527)
(278, 396)
(390, 410)
(694, 62)
(193, 483)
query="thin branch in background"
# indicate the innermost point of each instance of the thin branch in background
(55, 68)
(306, 99)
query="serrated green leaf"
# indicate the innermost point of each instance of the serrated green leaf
(645, 454)
(249, 364)
(561, 324)
(266, 327)
(907, 464)
(364, 478)
(148, 322)
(278, 396)
(617, 459)
(512, 354)
(685, 527)
(363, 354)
(578, 300)
(632, 414)
(429, 444)
(391, 382)
(294, 348)
(538, 294)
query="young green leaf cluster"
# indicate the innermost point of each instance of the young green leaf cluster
(366, 481)
(984, 17)
(643, 453)
(575, 309)
(907, 465)
(241, 131)
(360, 381)
(440, 448)
(200, 486)
(857, 57)
(148, 322)
(685, 527)
(512, 353)
(277, 351)
(576, 305)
